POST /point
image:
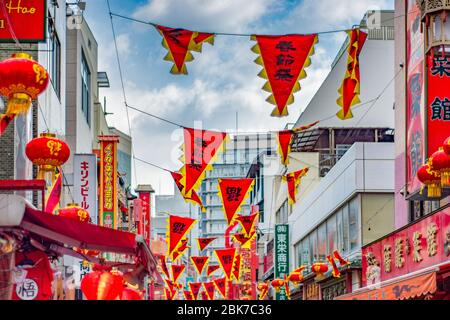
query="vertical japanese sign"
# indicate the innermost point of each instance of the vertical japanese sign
(438, 104)
(415, 99)
(281, 256)
(85, 183)
(26, 18)
(108, 181)
(144, 222)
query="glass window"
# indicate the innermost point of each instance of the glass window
(345, 246)
(85, 89)
(306, 252)
(340, 230)
(322, 241)
(313, 245)
(332, 234)
(353, 219)
(54, 58)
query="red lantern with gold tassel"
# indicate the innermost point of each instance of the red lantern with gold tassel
(101, 284)
(319, 268)
(277, 284)
(74, 211)
(295, 278)
(47, 152)
(440, 161)
(262, 286)
(432, 179)
(21, 80)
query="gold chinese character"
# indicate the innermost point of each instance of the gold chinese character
(431, 239)
(387, 258)
(417, 244)
(399, 259)
(54, 147)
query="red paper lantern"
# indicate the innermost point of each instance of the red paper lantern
(440, 161)
(131, 294)
(262, 286)
(102, 284)
(432, 179)
(319, 268)
(295, 278)
(446, 146)
(73, 211)
(21, 80)
(47, 152)
(277, 284)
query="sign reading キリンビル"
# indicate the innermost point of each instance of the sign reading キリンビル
(85, 183)
(281, 256)
(24, 20)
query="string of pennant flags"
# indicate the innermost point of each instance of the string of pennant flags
(283, 59)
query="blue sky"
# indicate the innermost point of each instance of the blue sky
(222, 79)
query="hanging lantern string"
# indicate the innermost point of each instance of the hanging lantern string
(123, 85)
(151, 164)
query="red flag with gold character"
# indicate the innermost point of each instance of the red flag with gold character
(199, 263)
(233, 192)
(201, 147)
(226, 260)
(177, 270)
(194, 198)
(204, 242)
(195, 289)
(211, 269)
(247, 222)
(5, 120)
(210, 289)
(178, 227)
(284, 59)
(221, 285)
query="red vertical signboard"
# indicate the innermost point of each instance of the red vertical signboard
(438, 105)
(144, 223)
(24, 20)
(414, 97)
(108, 181)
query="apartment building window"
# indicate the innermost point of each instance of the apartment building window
(313, 245)
(419, 209)
(85, 88)
(282, 214)
(322, 243)
(332, 233)
(353, 219)
(54, 58)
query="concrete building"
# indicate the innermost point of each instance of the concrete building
(235, 162)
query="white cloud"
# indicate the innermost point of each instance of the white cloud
(214, 15)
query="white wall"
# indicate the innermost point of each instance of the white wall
(366, 167)
(377, 69)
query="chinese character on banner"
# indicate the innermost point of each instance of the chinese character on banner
(108, 181)
(438, 128)
(180, 43)
(178, 227)
(233, 193)
(281, 256)
(293, 181)
(284, 59)
(226, 260)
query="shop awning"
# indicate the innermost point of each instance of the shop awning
(401, 289)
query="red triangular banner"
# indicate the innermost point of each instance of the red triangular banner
(284, 145)
(237, 267)
(284, 59)
(195, 288)
(178, 228)
(162, 260)
(200, 149)
(54, 195)
(293, 181)
(212, 269)
(210, 289)
(194, 198)
(350, 88)
(226, 260)
(221, 285)
(187, 295)
(177, 270)
(243, 239)
(171, 289)
(247, 222)
(199, 263)
(177, 41)
(204, 242)
(233, 193)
